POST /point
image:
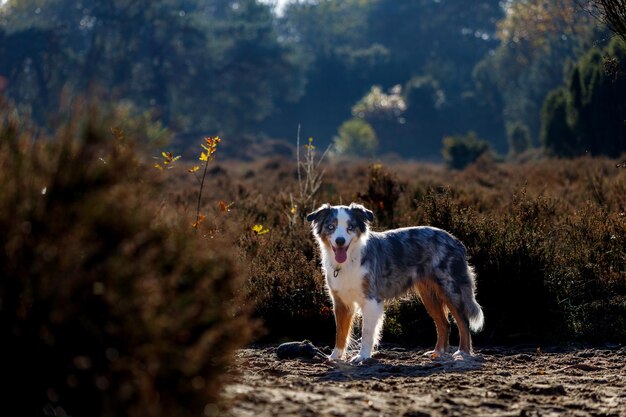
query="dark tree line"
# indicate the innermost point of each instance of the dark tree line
(413, 72)
(196, 65)
(588, 115)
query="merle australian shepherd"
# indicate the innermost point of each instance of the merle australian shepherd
(364, 268)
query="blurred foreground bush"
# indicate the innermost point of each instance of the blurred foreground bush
(104, 309)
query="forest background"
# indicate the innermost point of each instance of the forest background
(377, 77)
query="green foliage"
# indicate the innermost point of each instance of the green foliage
(594, 105)
(557, 136)
(537, 39)
(460, 151)
(356, 137)
(234, 68)
(106, 307)
(519, 139)
(165, 56)
(352, 49)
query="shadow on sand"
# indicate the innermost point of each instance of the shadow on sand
(401, 364)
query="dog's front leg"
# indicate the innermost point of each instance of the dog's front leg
(343, 321)
(372, 324)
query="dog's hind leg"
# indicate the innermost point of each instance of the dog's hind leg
(457, 282)
(438, 312)
(343, 321)
(462, 322)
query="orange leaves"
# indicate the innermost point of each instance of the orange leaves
(210, 146)
(223, 207)
(200, 218)
(168, 160)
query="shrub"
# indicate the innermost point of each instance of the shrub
(557, 136)
(460, 151)
(285, 286)
(104, 309)
(382, 195)
(588, 115)
(356, 138)
(519, 139)
(546, 237)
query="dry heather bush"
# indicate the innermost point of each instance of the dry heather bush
(547, 238)
(382, 195)
(105, 310)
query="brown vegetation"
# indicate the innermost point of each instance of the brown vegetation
(109, 304)
(547, 239)
(113, 302)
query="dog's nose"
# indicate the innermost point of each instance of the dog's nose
(340, 241)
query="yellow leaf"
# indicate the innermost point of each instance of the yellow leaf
(157, 166)
(204, 156)
(193, 169)
(259, 230)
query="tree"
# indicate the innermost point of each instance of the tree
(356, 138)
(460, 151)
(613, 13)
(588, 115)
(519, 138)
(557, 137)
(537, 37)
(351, 49)
(341, 64)
(433, 48)
(163, 55)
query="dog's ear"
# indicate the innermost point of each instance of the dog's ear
(319, 213)
(362, 212)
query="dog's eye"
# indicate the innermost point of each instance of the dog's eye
(330, 227)
(350, 228)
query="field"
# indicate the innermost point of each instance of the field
(128, 291)
(400, 381)
(547, 238)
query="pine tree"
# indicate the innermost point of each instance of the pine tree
(557, 137)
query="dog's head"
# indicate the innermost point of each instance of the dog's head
(338, 226)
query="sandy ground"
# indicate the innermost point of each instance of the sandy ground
(404, 382)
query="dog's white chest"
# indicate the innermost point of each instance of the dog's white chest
(348, 282)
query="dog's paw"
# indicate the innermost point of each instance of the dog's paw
(436, 354)
(359, 359)
(460, 355)
(336, 355)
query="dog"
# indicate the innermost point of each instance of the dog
(364, 268)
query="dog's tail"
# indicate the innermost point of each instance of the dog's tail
(471, 308)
